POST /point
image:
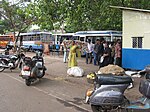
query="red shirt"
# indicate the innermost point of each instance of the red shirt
(118, 50)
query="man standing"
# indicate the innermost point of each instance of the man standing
(65, 51)
(101, 49)
(118, 53)
(96, 51)
(89, 51)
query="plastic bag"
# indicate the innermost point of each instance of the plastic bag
(75, 71)
(102, 59)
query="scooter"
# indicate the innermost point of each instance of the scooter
(108, 94)
(10, 61)
(32, 69)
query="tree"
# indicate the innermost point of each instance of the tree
(19, 16)
(4, 26)
(78, 15)
(51, 14)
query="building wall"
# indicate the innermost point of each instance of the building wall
(135, 24)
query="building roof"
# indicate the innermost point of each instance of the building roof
(132, 9)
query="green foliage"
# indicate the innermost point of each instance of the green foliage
(78, 15)
(4, 27)
(17, 16)
(70, 15)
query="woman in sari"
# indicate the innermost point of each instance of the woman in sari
(72, 59)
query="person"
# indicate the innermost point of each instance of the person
(112, 47)
(95, 51)
(106, 57)
(72, 59)
(57, 47)
(101, 49)
(65, 52)
(118, 53)
(89, 51)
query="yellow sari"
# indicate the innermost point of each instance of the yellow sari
(72, 56)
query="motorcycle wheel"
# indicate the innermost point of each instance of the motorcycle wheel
(41, 75)
(28, 82)
(1, 68)
(96, 108)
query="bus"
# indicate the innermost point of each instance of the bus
(64, 36)
(83, 36)
(6, 39)
(35, 40)
(109, 35)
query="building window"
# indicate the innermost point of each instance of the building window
(137, 42)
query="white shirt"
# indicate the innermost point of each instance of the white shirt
(90, 47)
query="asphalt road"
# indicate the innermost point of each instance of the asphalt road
(46, 95)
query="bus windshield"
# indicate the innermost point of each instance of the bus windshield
(5, 39)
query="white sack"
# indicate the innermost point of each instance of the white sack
(75, 71)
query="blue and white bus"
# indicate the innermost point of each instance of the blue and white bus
(35, 40)
(62, 36)
(109, 35)
(83, 36)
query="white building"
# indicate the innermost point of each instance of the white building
(136, 38)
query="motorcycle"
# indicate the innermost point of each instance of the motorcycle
(33, 69)
(10, 61)
(108, 94)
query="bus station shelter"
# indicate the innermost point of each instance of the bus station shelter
(136, 38)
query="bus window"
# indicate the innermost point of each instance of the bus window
(75, 37)
(82, 38)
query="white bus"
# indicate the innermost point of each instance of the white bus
(83, 36)
(63, 36)
(35, 40)
(109, 36)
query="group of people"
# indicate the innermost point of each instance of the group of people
(104, 53)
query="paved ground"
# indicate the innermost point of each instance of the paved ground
(56, 92)
(47, 95)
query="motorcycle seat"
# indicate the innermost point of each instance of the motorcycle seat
(27, 61)
(110, 79)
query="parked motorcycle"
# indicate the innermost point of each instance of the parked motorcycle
(33, 68)
(108, 94)
(10, 61)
